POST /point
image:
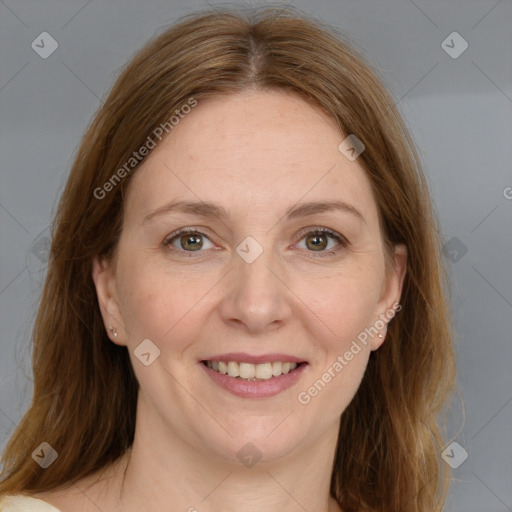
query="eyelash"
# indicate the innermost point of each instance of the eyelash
(343, 242)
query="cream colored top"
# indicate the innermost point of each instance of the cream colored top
(21, 503)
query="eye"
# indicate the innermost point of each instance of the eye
(188, 239)
(323, 241)
(319, 240)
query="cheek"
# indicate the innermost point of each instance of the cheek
(342, 350)
(343, 304)
(158, 305)
(340, 318)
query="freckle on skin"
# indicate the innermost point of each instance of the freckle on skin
(240, 157)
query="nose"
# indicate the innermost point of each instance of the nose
(257, 298)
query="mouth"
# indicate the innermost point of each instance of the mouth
(251, 372)
(248, 376)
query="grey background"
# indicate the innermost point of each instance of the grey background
(458, 110)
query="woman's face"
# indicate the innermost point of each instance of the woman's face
(284, 263)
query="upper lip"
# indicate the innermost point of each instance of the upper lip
(241, 357)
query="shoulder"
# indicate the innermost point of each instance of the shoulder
(23, 503)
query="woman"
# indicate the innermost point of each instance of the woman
(245, 301)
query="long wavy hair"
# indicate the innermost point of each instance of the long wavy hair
(85, 391)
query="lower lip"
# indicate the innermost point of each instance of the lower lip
(255, 389)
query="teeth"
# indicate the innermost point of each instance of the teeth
(249, 371)
(233, 369)
(263, 371)
(277, 368)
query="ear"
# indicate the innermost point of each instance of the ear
(103, 275)
(389, 303)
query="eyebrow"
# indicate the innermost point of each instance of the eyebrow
(208, 209)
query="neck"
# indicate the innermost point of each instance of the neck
(162, 472)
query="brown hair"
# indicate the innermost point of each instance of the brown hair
(85, 391)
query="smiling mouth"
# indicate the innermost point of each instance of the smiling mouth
(252, 372)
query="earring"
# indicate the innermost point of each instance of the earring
(113, 331)
(380, 336)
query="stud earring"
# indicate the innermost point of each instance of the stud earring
(380, 336)
(113, 331)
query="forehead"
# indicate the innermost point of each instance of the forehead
(252, 149)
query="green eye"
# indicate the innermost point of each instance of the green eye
(317, 242)
(188, 240)
(323, 240)
(191, 242)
